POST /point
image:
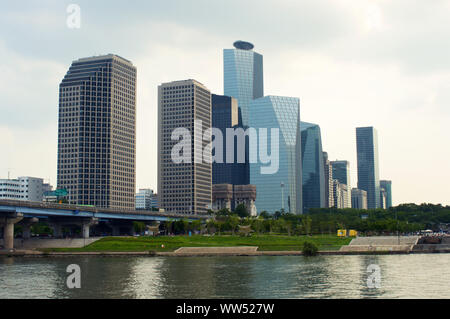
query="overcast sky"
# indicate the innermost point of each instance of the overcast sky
(352, 63)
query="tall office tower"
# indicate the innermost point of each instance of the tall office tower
(387, 185)
(328, 175)
(226, 115)
(340, 192)
(312, 167)
(282, 187)
(368, 174)
(341, 172)
(184, 174)
(359, 199)
(243, 76)
(383, 198)
(97, 132)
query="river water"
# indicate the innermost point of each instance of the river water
(400, 276)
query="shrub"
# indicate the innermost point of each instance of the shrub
(309, 248)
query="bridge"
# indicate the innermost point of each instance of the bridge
(58, 216)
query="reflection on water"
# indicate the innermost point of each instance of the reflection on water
(402, 276)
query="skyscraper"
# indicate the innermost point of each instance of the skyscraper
(184, 183)
(359, 199)
(225, 115)
(281, 189)
(368, 171)
(312, 167)
(387, 185)
(97, 132)
(243, 76)
(341, 172)
(328, 175)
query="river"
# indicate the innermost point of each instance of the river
(400, 276)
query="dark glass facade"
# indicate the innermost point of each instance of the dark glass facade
(96, 133)
(368, 171)
(312, 167)
(226, 114)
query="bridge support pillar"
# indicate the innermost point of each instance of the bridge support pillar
(86, 226)
(26, 227)
(8, 231)
(57, 230)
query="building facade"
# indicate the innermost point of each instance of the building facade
(24, 188)
(368, 169)
(341, 172)
(227, 196)
(328, 176)
(281, 189)
(312, 167)
(226, 115)
(387, 185)
(359, 199)
(97, 132)
(146, 199)
(340, 194)
(243, 76)
(184, 182)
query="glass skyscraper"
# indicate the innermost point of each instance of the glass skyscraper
(387, 185)
(312, 167)
(341, 172)
(226, 114)
(97, 132)
(243, 76)
(368, 171)
(282, 189)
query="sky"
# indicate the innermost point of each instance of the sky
(352, 63)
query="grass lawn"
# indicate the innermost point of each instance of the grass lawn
(264, 242)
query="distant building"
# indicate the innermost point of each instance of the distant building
(226, 115)
(146, 199)
(97, 132)
(387, 185)
(340, 194)
(243, 76)
(281, 189)
(341, 172)
(313, 176)
(368, 169)
(328, 177)
(383, 198)
(227, 196)
(25, 188)
(184, 185)
(359, 199)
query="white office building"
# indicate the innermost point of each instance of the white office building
(26, 188)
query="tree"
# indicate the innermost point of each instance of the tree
(242, 211)
(265, 215)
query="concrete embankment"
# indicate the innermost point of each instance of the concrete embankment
(41, 243)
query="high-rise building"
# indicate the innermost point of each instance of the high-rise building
(368, 171)
(383, 198)
(312, 167)
(387, 185)
(184, 181)
(359, 199)
(328, 176)
(340, 194)
(282, 188)
(24, 188)
(145, 199)
(341, 172)
(226, 115)
(243, 76)
(97, 132)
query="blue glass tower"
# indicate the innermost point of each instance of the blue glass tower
(368, 171)
(312, 167)
(387, 185)
(282, 189)
(226, 114)
(243, 75)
